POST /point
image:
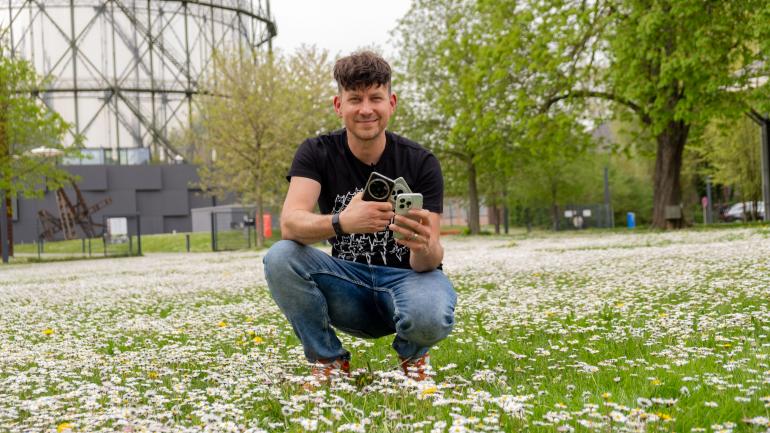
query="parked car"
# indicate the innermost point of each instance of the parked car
(743, 211)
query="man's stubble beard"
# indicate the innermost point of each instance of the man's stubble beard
(367, 137)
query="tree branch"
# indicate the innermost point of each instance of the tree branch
(756, 116)
(597, 94)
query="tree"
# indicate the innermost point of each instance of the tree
(466, 63)
(430, 79)
(731, 151)
(270, 104)
(674, 64)
(26, 123)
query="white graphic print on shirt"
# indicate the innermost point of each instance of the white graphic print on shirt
(353, 246)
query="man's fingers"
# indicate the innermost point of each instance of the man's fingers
(415, 226)
(423, 214)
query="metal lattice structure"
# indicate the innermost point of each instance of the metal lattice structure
(126, 72)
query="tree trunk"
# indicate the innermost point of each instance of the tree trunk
(495, 212)
(5, 152)
(668, 167)
(554, 206)
(473, 200)
(9, 234)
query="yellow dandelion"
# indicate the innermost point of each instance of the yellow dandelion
(257, 339)
(619, 305)
(64, 427)
(661, 315)
(656, 381)
(429, 390)
(152, 375)
(607, 395)
(250, 332)
(663, 416)
(222, 324)
(47, 331)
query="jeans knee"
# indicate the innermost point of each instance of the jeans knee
(426, 328)
(279, 256)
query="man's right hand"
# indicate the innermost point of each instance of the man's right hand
(366, 216)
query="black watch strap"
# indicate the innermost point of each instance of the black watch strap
(336, 224)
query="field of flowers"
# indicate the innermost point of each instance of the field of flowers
(570, 332)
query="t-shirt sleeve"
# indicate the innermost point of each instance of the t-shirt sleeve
(305, 163)
(431, 183)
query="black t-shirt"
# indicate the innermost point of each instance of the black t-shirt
(328, 160)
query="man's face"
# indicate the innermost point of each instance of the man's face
(365, 112)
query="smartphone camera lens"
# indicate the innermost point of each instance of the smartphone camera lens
(379, 189)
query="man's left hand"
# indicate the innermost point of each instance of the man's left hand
(417, 230)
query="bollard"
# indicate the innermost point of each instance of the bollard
(187, 241)
(630, 220)
(267, 225)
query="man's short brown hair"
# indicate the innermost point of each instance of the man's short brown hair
(361, 70)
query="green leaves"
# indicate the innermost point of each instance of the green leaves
(513, 83)
(263, 105)
(26, 123)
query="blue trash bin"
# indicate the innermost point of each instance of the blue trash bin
(630, 220)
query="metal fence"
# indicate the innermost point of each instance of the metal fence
(570, 217)
(578, 217)
(232, 230)
(121, 236)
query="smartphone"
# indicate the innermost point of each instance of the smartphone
(399, 187)
(378, 187)
(404, 202)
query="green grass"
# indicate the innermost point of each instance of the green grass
(156, 243)
(624, 335)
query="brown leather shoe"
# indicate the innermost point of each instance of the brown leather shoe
(323, 370)
(416, 368)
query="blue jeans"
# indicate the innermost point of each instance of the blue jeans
(317, 292)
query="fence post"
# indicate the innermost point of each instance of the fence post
(138, 235)
(528, 220)
(213, 232)
(187, 241)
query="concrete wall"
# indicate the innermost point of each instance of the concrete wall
(161, 196)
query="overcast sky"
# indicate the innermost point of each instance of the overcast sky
(341, 26)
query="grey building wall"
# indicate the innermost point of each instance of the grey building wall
(161, 196)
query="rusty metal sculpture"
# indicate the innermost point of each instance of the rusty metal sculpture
(70, 215)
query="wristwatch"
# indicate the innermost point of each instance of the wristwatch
(336, 224)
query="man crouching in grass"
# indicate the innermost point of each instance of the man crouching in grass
(372, 285)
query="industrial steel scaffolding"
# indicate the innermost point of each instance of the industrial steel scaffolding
(126, 72)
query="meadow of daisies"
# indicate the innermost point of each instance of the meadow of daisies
(572, 332)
